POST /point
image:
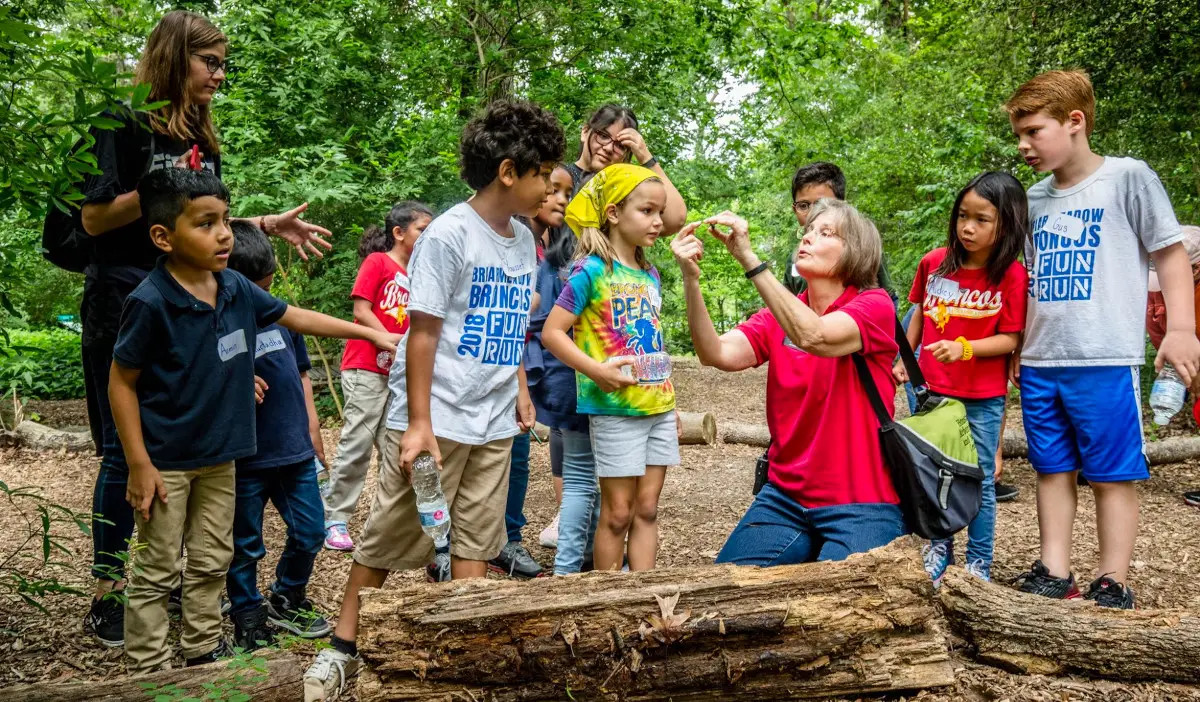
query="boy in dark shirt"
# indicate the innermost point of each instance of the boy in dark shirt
(283, 471)
(182, 393)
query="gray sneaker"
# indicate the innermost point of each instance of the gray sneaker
(515, 562)
(325, 680)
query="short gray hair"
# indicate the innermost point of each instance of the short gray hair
(863, 250)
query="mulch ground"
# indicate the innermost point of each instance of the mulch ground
(701, 502)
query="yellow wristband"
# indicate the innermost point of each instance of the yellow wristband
(968, 352)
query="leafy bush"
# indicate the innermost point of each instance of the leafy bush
(44, 364)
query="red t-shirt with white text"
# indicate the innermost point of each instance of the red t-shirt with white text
(825, 450)
(967, 304)
(384, 283)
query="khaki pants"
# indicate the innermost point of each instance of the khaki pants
(366, 395)
(475, 482)
(198, 515)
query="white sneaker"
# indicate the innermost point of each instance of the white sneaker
(549, 537)
(325, 680)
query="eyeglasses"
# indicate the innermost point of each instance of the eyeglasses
(604, 139)
(802, 205)
(213, 64)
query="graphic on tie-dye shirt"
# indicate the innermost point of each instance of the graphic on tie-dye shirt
(618, 317)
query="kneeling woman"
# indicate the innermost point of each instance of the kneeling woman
(828, 493)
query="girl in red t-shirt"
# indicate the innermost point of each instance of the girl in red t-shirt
(380, 297)
(972, 295)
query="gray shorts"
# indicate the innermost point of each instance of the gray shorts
(624, 446)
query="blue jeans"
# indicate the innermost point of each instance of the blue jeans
(580, 510)
(985, 417)
(777, 530)
(112, 527)
(293, 490)
(518, 485)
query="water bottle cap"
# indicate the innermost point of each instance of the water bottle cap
(1162, 420)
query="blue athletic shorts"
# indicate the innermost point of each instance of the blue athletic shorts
(1087, 419)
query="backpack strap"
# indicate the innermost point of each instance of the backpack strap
(915, 376)
(868, 383)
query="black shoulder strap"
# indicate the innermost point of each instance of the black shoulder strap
(868, 383)
(910, 364)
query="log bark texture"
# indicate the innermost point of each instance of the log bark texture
(860, 626)
(43, 438)
(742, 433)
(277, 677)
(698, 428)
(1031, 634)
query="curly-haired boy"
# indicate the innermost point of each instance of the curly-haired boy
(471, 276)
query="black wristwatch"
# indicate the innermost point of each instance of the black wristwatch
(757, 269)
(650, 162)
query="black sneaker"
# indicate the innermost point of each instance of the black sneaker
(515, 562)
(1106, 592)
(250, 629)
(438, 570)
(1006, 493)
(295, 612)
(1192, 498)
(1038, 581)
(106, 619)
(221, 652)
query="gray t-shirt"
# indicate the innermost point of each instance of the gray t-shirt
(1088, 264)
(481, 285)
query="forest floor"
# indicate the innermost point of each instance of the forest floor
(701, 502)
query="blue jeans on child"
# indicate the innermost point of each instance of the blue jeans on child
(985, 417)
(518, 485)
(293, 490)
(580, 511)
(777, 530)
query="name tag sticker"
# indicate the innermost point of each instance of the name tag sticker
(267, 343)
(231, 344)
(1065, 225)
(941, 287)
(655, 298)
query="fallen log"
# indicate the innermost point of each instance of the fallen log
(1031, 634)
(749, 434)
(697, 428)
(277, 676)
(43, 438)
(861, 626)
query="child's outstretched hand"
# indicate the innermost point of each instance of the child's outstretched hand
(142, 486)
(260, 389)
(386, 341)
(1182, 350)
(899, 372)
(414, 441)
(610, 378)
(688, 250)
(945, 351)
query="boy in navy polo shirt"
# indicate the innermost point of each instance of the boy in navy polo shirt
(182, 394)
(283, 471)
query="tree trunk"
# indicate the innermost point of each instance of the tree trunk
(698, 428)
(1032, 634)
(276, 677)
(860, 626)
(749, 434)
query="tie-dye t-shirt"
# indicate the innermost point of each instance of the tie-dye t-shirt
(618, 316)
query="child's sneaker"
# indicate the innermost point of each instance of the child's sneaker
(1192, 498)
(549, 536)
(515, 562)
(438, 571)
(1038, 581)
(1106, 592)
(1006, 493)
(337, 538)
(220, 652)
(250, 629)
(938, 557)
(106, 620)
(295, 612)
(325, 680)
(980, 569)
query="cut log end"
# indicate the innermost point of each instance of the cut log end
(698, 428)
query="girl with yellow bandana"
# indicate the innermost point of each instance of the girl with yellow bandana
(611, 302)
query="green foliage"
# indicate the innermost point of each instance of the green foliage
(245, 670)
(43, 364)
(29, 571)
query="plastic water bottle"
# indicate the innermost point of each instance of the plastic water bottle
(431, 502)
(1166, 396)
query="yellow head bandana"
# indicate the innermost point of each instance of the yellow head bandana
(608, 187)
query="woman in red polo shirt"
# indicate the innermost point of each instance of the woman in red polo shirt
(828, 493)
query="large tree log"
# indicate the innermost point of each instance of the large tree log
(698, 428)
(277, 676)
(43, 438)
(749, 434)
(1032, 634)
(861, 626)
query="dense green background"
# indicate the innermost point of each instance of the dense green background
(353, 104)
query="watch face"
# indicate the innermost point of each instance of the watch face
(384, 360)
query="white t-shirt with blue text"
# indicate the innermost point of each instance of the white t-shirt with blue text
(481, 285)
(1088, 263)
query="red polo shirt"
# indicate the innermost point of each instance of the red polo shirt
(826, 436)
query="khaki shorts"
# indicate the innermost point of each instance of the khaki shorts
(475, 481)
